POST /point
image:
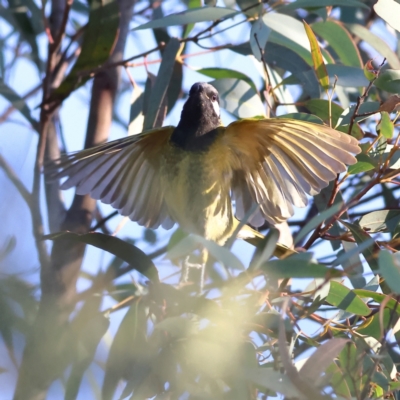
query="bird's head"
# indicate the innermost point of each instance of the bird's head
(201, 112)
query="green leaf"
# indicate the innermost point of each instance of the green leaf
(297, 267)
(98, 42)
(303, 117)
(321, 359)
(161, 84)
(360, 237)
(345, 299)
(266, 249)
(370, 107)
(318, 61)
(126, 251)
(220, 73)
(347, 76)
(315, 221)
(191, 16)
(18, 103)
(390, 302)
(288, 32)
(239, 98)
(389, 268)
(340, 40)
(386, 126)
(376, 43)
(372, 326)
(380, 221)
(389, 80)
(324, 3)
(259, 34)
(364, 163)
(389, 10)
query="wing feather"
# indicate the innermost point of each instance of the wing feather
(123, 173)
(276, 163)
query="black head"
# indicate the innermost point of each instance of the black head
(200, 116)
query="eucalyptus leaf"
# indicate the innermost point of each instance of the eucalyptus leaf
(190, 16)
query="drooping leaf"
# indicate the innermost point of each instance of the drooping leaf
(159, 89)
(364, 163)
(386, 126)
(190, 16)
(324, 3)
(380, 221)
(98, 42)
(376, 43)
(288, 32)
(389, 10)
(239, 98)
(340, 40)
(321, 359)
(259, 34)
(370, 108)
(126, 251)
(347, 76)
(18, 103)
(389, 80)
(360, 237)
(318, 61)
(345, 299)
(297, 267)
(221, 73)
(389, 267)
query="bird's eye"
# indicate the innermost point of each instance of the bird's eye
(214, 97)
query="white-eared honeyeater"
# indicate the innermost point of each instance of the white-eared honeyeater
(191, 173)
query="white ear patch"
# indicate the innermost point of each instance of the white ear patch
(216, 108)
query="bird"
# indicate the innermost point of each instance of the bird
(192, 174)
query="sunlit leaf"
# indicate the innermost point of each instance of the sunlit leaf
(345, 299)
(364, 163)
(386, 126)
(389, 10)
(318, 61)
(376, 43)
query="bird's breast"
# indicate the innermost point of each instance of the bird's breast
(197, 192)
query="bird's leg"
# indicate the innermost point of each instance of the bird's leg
(200, 266)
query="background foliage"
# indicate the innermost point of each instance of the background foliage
(322, 323)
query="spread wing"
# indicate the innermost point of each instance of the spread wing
(277, 162)
(123, 173)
